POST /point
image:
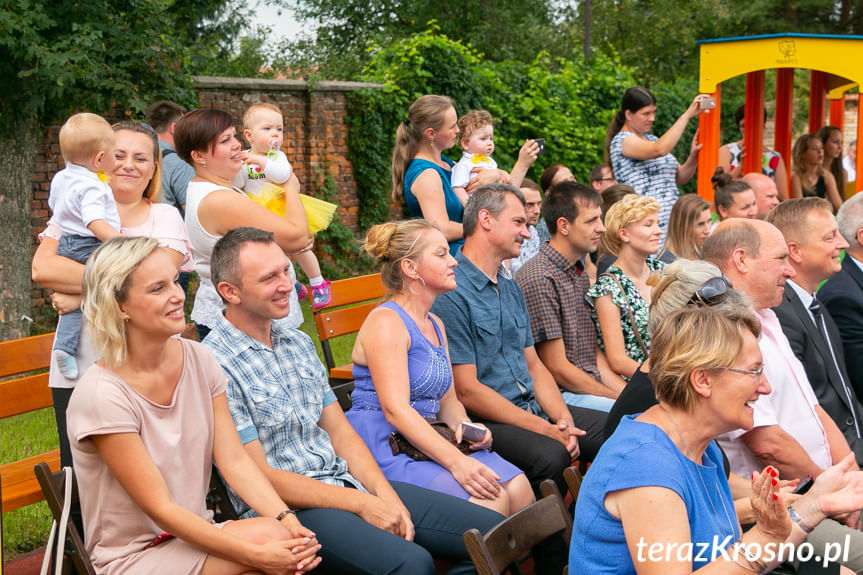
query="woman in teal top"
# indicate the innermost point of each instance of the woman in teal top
(421, 173)
(452, 204)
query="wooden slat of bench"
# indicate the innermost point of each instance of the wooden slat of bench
(24, 394)
(20, 486)
(353, 290)
(342, 321)
(342, 371)
(27, 354)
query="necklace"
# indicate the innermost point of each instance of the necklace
(701, 477)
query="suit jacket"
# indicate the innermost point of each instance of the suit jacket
(811, 349)
(843, 297)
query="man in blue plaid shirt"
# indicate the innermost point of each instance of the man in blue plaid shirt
(293, 427)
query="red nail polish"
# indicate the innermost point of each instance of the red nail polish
(775, 482)
(775, 497)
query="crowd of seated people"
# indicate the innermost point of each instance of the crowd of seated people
(699, 372)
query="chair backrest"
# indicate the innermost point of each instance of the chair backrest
(218, 499)
(23, 356)
(573, 482)
(352, 300)
(508, 542)
(52, 486)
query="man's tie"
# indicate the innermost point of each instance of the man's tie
(815, 308)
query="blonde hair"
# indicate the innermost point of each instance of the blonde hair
(684, 214)
(473, 120)
(629, 209)
(155, 184)
(83, 136)
(426, 112)
(250, 112)
(392, 242)
(789, 216)
(104, 286)
(696, 337)
(678, 283)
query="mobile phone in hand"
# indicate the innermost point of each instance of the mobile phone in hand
(472, 432)
(707, 103)
(541, 143)
(804, 486)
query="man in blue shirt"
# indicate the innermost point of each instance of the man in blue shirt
(498, 374)
(293, 427)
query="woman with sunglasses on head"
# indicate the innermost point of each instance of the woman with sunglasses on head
(656, 495)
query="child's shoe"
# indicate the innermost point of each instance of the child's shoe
(66, 363)
(321, 295)
(301, 290)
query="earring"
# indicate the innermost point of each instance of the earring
(125, 318)
(204, 163)
(411, 284)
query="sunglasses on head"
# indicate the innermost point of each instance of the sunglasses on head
(712, 292)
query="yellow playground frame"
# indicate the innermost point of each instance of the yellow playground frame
(836, 65)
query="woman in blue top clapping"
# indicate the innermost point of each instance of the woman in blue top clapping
(656, 499)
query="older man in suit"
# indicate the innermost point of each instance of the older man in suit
(843, 293)
(814, 247)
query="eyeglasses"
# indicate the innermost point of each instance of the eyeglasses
(711, 293)
(756, 372)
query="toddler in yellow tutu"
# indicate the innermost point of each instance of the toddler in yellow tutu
(265, 168)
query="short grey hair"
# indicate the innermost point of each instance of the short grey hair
(850, 218)
(729, 236)
(490, 197)
(679, 282)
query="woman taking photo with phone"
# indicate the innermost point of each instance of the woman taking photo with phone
(643, 161)
(403, 379)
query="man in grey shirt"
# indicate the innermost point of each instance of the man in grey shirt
(176, 174)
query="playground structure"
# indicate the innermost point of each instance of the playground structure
(835, 67)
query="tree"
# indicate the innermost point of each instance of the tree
(500, 30)
(62, 56)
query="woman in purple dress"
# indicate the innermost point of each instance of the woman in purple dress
(403, 378)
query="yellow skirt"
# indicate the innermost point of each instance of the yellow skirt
(318, 212)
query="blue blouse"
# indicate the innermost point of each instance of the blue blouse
(640, 455)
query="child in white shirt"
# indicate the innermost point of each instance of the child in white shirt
(476, 138)
(84, 208)
(264, 164)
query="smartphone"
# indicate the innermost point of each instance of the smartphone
(472, 432)
(802, 487)
(541, 143)
(707, 103)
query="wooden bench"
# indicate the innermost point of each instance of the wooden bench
(351, 301)
(22, 394)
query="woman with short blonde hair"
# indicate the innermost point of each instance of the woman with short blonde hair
(620, 298)
(659, 481)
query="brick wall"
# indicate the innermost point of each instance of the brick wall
(315, 136)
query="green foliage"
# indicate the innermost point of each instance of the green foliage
(568, 102)
(250, 61)
(341, 250)
(501, 30)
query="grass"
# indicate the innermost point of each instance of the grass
(29, 434)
